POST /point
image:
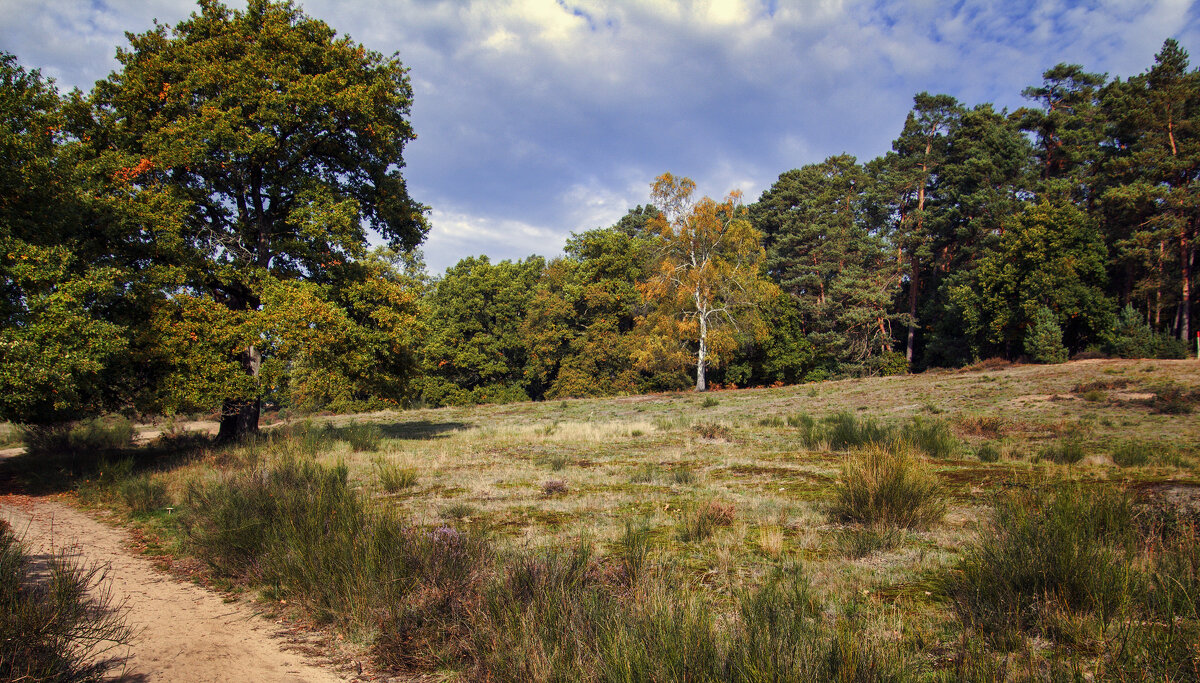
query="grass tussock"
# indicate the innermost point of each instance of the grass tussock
(57, 621)
(362, 437)
(703, 521)
(393, 477)
(886, 487)
(845, 430)
(1066, 451)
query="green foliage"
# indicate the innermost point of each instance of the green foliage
(362, 437)
(1133, 338)
(823, 252)
(95, 435)
(1066, 451)
(886, 487)
(58, 620)
(475, 352)
(1044, 339)
(1069, 548)
(144, 494)
(394, 477)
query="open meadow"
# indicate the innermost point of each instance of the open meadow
(994, 523)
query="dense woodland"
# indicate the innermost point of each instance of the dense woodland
(191, 235)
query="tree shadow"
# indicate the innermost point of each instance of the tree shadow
(422, 430)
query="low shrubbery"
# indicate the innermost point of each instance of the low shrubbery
(1087, 567)
(97, 434)
(57, 620)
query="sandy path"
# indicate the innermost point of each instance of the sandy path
(183, 633)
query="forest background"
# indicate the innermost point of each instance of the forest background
(191, 236)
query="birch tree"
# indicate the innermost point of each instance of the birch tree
(707, 282)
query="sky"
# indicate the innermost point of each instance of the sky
(539, 118)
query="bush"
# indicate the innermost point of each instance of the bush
(1043, 551)
(1133, 338)
(97, 434)
(57, 621)
(1044, 338)
(886, 486)
(554, 487)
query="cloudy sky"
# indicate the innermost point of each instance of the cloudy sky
(536, 118)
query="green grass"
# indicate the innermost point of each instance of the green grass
(886, 487)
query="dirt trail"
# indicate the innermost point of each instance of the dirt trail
(182, 633)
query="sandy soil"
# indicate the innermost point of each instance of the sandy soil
(183, 633)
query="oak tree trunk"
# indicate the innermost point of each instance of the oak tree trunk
(239, 417)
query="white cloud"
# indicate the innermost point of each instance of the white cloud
(538, 117)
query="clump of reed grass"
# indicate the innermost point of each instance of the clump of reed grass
(144, 494)
(362, 437)
(683, 476)
(702, 521)
(393, 477)
(1066, 451)
(886, 486)
(987, 452)
(1133, 453)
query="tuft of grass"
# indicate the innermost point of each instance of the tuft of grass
(709, 402)
(987, 452)
(393, 477)
(557, 463)
(645, 474)
(859, 542)
(1065, 452)
(1094, 395)
(712, 430)
(702, 522)
(554, 487)
(1133, 453)
(58, 621)
(1045, 552)
(683, 476)
(144, 494)
(886, 486)
(932, 437)
(458, 511)
(362, 437)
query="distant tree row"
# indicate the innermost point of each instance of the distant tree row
(191, 236)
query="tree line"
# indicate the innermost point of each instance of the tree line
(191, 235)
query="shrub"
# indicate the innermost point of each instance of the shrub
(886, 486)
(97, 434)
(1133, 338)
(1044, 338)
(1043, 551)
(1172, 399)
(554, 487)
(57, 620)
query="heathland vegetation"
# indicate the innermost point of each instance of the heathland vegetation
(1001, 522)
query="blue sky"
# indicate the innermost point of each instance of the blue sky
(536, 118)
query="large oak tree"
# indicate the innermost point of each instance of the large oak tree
(255, 148)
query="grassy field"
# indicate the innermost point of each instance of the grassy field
(687, 509)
